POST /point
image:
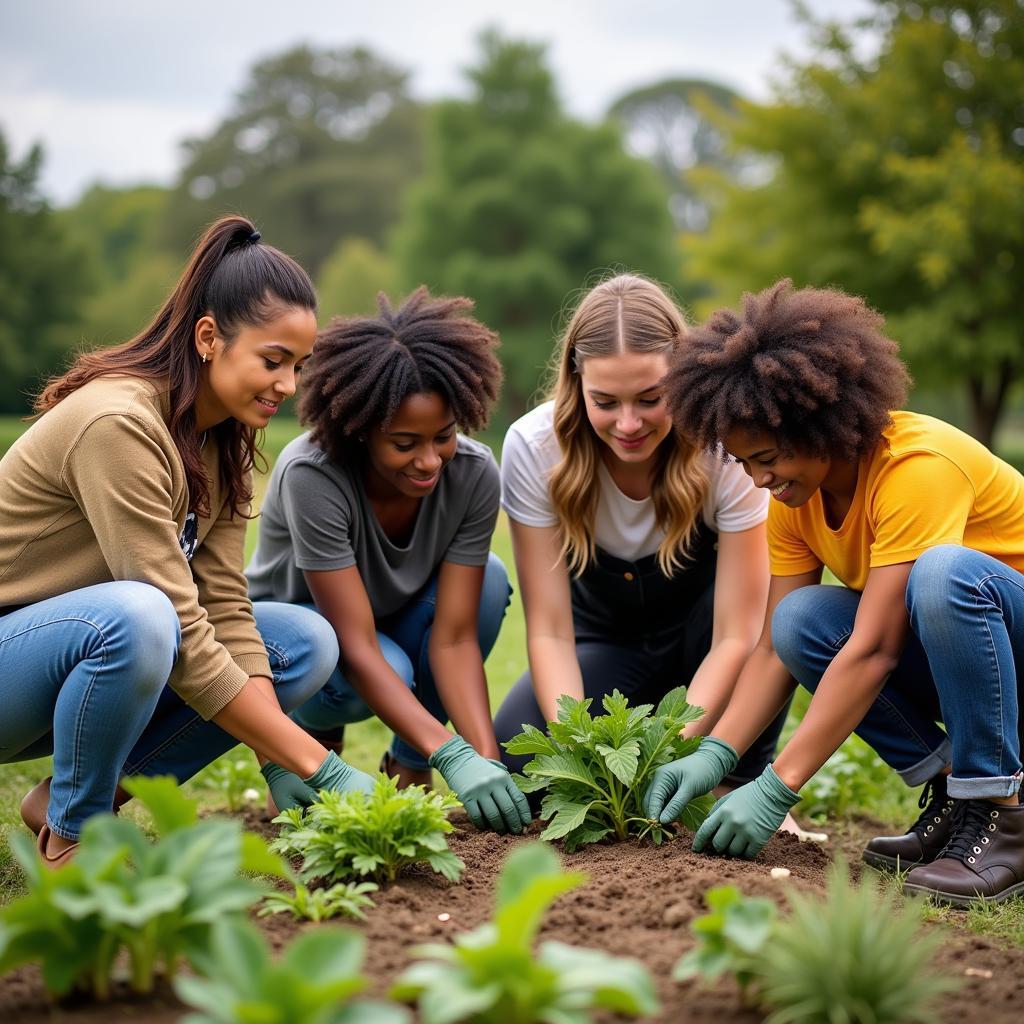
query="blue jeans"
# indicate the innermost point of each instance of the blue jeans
(403, 638)
(83, 677)
(962, 665)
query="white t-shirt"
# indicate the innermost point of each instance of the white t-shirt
(623, 527)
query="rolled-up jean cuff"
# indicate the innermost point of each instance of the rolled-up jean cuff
(983, 789)
(929, 766)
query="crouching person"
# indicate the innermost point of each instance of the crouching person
(926, 529)
(127, 641)
(381, 518)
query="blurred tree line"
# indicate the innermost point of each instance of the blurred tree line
(889, 164)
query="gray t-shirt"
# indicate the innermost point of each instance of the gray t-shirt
(316, 516)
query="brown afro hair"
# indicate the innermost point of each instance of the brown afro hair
(363, 368)
(810, 366)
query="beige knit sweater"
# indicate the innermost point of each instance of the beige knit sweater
(95, 491)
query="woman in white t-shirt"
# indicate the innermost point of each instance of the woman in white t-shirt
(642, 560)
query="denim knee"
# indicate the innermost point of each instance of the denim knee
(790, 621)
(152, 634)
(932, 577)
(324, 653)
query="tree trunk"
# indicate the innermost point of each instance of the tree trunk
(988, 397)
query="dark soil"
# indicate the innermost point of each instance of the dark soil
(638, 902)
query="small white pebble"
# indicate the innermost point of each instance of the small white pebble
(978, 972)
(250, 795)
(444, 917)
(781, 872)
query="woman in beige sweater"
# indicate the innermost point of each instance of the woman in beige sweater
(128, 644)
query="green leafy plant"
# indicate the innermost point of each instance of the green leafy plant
(596, 768)
(852, 958)
(154, 901)
(345, 898)
(314, 982)
(376, 835)
(729, 938)
(235, 777)
(491, 975)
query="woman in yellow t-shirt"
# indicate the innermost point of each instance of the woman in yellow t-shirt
(925, 527)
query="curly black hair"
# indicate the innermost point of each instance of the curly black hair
(810, 366)
(362, 368)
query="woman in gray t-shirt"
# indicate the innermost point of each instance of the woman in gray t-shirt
(381, 517)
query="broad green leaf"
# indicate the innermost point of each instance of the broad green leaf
(622, 762)
(703, 962)
(170, 808)
(327, 955)
(446, 864)
(150, 898)
(257, 858)
(674, 704)
(696, 811)
(525, 863)
(518, 920)
(621, 984)
(531, 741)
(241, 954)
(529, 785)
(371, 1012)
(569, 816)
(567, 765)
(749, 924)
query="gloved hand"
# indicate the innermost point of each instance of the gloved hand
(484, 786)
(286, 788)
(675, 784)
(340, 776)
(743, 821)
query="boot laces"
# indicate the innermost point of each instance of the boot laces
(974, 821)
(935, 803)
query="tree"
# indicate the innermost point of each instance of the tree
(43, 279)
(520, 206)
(320, 145)
(898, 176)
(351, 278)
(671, 123)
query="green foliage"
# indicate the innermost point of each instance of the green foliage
(349, 835)
(345, 898)
(520, 204)
(314, 982)
(595, 769)
(852, 958)
(154, 901)
(44, 277)
(492, 976)
(351, 277)
(320, 144)
(729, 939)
(850, 780)
(235, 777)
(892, 167)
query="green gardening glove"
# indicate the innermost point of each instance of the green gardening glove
(484, 786)
(286, 788)
(675, 784)
(340, 776)
(744, 820)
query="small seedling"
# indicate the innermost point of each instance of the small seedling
(235, 777)
(596, 768)
(155, 902)
(347, 899)
(314, 982)
(729, 939)
(491, 975)
(375, 836)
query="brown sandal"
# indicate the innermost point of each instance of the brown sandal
(53, 862)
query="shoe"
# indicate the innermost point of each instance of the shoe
(37, 800)
(34, 805)
(984, 859)
(925, 839)
(53, 862)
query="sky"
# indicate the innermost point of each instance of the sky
(111, 87)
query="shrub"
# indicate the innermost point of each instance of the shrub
(596, 769)
(155, 901)
(492, 976)
(356, 835)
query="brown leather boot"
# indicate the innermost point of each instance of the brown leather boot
(984, 859)
(924, 840)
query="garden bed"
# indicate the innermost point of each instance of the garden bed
(638, 902)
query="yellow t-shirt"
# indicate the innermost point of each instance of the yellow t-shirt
(932, 484)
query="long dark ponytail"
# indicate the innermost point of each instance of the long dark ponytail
(237, 280)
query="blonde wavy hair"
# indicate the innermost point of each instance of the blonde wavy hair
(626, 313)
